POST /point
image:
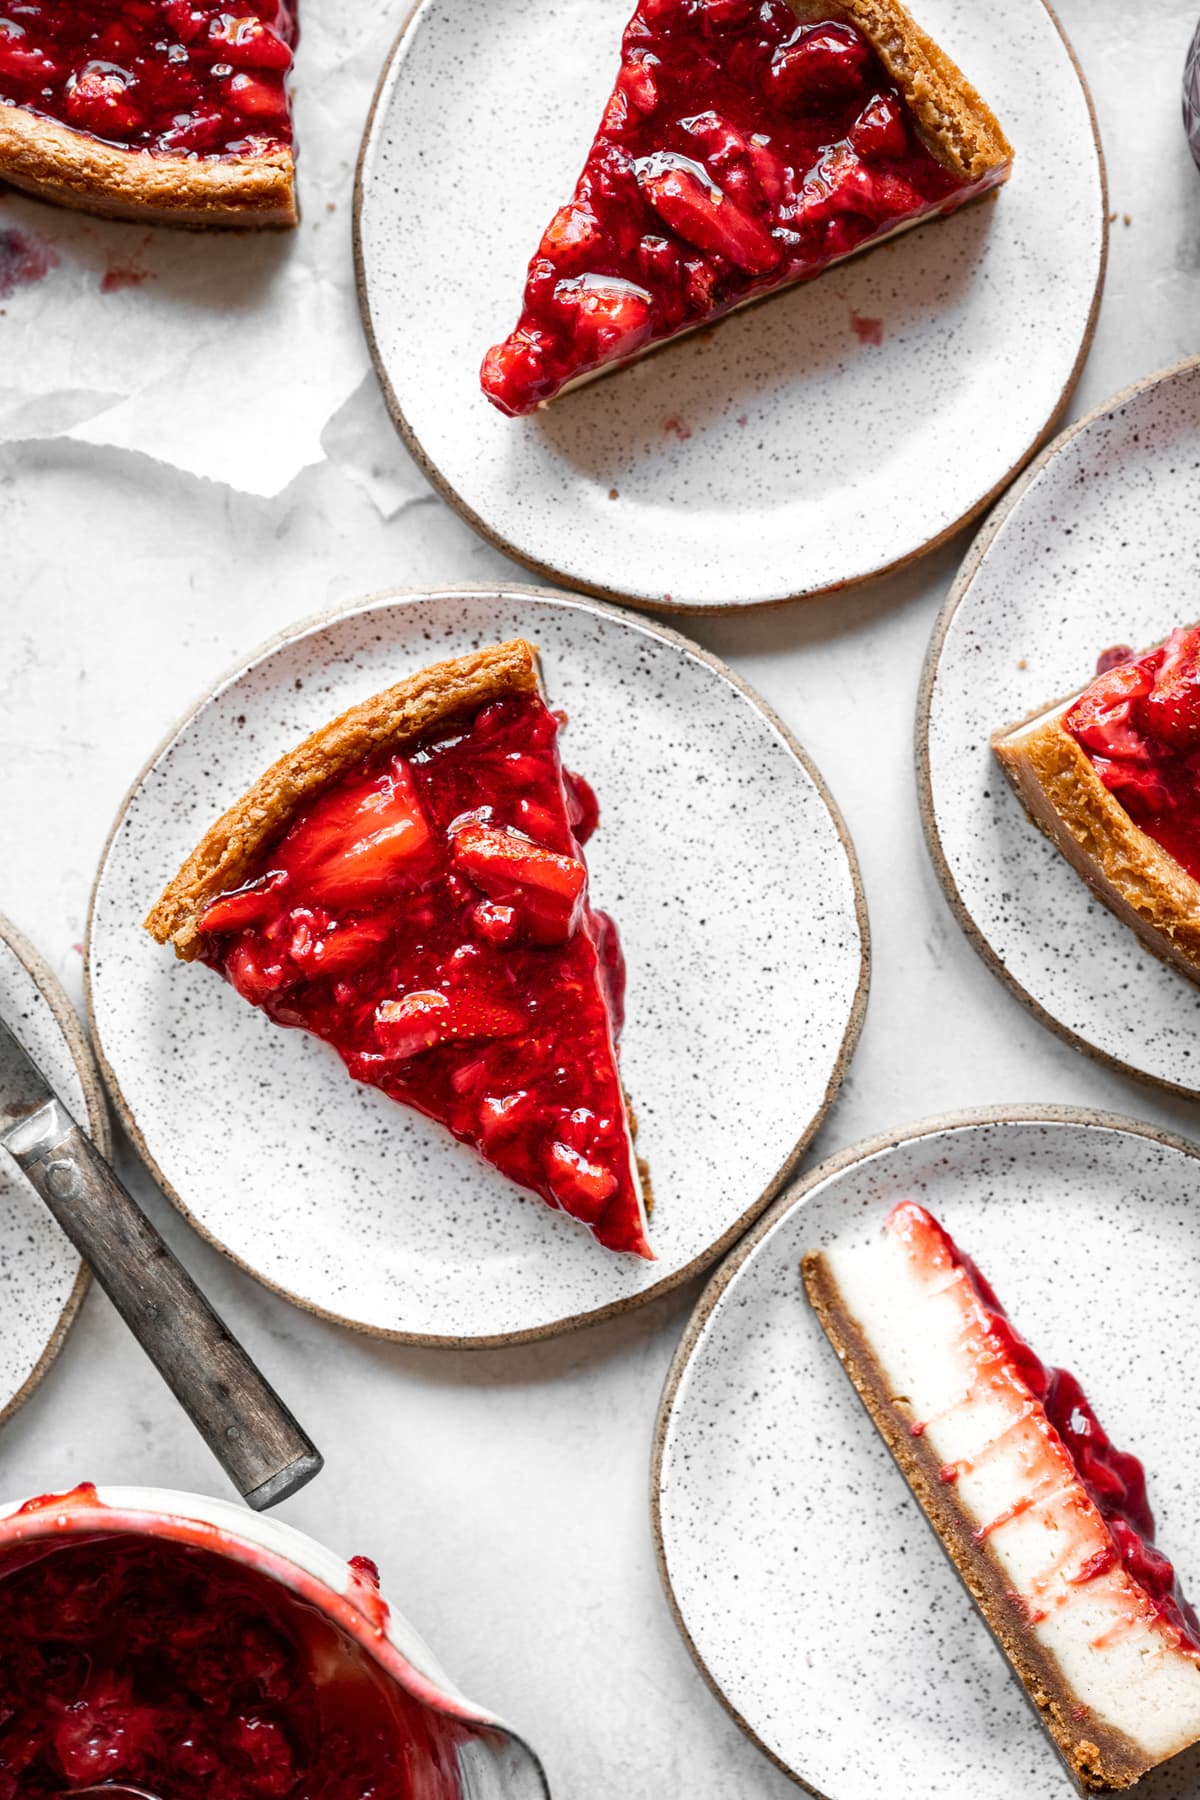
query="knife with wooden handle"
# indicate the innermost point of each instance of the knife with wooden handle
(241, 1418)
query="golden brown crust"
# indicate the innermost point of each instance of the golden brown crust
(51, 160)
(1100, 1759)
(400, 715)
(957, 125)
(1135, 877)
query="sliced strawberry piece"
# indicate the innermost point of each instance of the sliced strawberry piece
(253, 904)
(611, 319)
(254, 98)
(421, 1021)
(1171, 711)
(572, 238)
(255, 969)
(1102, 718)
(248, 43)
(1138, 785)
(188, 22)
(495, 924)
(546, 891)
(879, 129)
(24, 63)
(679, 190)
(636, 81)
(821, 61)
(99, 100)
(336, 950)
(581, 1187)
(362, 839)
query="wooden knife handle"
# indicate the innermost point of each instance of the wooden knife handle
(241, 1418)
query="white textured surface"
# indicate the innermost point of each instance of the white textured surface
(760, 420)
(504, 1492)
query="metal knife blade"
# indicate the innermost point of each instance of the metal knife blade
(242, 1418)
(25, 1094)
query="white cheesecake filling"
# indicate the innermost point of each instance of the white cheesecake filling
(1015, 1480)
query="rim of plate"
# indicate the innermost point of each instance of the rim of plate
(619, 596)
(796, 1196)
(98, 1123)
(971, 564)
(849, 1043)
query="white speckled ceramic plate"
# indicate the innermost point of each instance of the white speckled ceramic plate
(42, 1279)
(1098, 545)
(738, 900)
(812, 1592)
(627, 487)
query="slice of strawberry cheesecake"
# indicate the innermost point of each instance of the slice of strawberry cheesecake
(1112, 776)
(1044, 1519)
(747, 145)
(175, 112)
(409, 885)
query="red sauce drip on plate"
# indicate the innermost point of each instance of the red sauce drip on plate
(177, 76)
(1115, 1480)
(740, 149)
(1139, 726)
(428, 916)
(134, 1659)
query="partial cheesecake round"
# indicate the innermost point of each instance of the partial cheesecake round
(171, 111)
(1112, 776)
(746, 146)
(409, 885)
(1046, 1522)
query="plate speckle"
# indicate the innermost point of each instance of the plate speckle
(1099, 545)
(813, 1593)
(738, 902)
(42, 1279)
(886, 366)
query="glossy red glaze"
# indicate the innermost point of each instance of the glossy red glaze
(1139, 726)
(428, 916)
(135, 1659)
(1115, 1480)
(180, 76)
(740, 150)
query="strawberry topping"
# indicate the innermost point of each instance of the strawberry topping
(129, 1660)
(177, 76)
(741, 149)
(1139, 725)
(428, 916)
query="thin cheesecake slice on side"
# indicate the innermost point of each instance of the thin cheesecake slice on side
(1112, 776)
(1044, 1519)
(746, 146)
(409, 885)
(175, 112)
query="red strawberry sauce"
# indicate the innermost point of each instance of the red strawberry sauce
(1139, 726)
(1115, 1480)
(740, 149)
(179, 76)
(428, 916)
(128, 1658)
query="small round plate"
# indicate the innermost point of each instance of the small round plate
(737, 895)
(807, 1584)
(1099, 544)
(714, 475)
(42, 1279)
